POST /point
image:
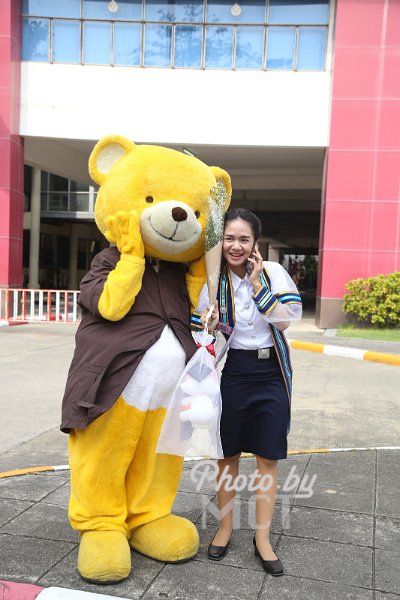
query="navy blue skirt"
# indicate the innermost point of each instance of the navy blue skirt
(255, 406)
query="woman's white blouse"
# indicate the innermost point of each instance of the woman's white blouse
(251, 328)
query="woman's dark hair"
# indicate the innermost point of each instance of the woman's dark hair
(245, 215)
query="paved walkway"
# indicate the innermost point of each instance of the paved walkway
(337, 533)
(341, 541)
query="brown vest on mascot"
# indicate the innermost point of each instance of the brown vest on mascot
(109, 352)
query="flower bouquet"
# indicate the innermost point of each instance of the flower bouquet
(191, 425)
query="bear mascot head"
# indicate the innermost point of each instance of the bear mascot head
(168, 189)
(132, 345)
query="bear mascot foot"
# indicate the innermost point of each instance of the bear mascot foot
(169, 539)
(104, 557)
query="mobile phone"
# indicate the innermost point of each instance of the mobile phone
(249, 265)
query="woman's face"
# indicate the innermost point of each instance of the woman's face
(238, 243)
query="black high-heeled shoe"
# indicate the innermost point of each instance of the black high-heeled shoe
(217, 552)
(274, 567)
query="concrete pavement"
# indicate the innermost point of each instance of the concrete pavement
(338, 536)
(337, 402)
(341, 542)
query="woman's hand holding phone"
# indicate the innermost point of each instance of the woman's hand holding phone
(256, 260)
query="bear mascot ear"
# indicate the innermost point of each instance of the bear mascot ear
(105, 154)
(223, 177)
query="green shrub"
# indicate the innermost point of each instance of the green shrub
(374, 301)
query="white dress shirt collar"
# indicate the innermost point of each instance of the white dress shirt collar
(236, 280)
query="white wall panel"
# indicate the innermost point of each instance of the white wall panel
(176, 106)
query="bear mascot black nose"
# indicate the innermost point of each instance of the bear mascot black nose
(178, 214)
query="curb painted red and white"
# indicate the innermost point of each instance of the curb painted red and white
(4, 323)
(345, 352)
(10, 590)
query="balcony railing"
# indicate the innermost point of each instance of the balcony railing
(175, 44)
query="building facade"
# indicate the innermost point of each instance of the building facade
(299, 100)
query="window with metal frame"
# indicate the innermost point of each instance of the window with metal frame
(59, 194)
(210, 34)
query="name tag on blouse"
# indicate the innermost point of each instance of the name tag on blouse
(225, 328)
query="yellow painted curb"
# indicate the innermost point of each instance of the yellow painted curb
(380, 357)
(32, 470)
(310, 346)
(346, 352)
(25, 471)
(325, 450)
(312, 451)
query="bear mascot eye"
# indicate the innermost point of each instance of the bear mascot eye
(149, 199)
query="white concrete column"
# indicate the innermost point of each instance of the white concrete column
(34, 244)
(263, 248)
(73, 258)
(273, 254)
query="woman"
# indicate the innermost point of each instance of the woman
(257, 300)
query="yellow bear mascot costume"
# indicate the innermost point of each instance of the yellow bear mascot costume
(131, 348)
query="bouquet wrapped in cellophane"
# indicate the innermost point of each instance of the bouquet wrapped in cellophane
(191, 425)
(217, 203)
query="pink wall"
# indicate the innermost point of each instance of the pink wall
(11, 147)
(361, 210)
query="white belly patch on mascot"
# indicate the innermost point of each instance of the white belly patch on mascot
(149, 388)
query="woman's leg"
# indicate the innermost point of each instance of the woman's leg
(228, 469)
(265, 504)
